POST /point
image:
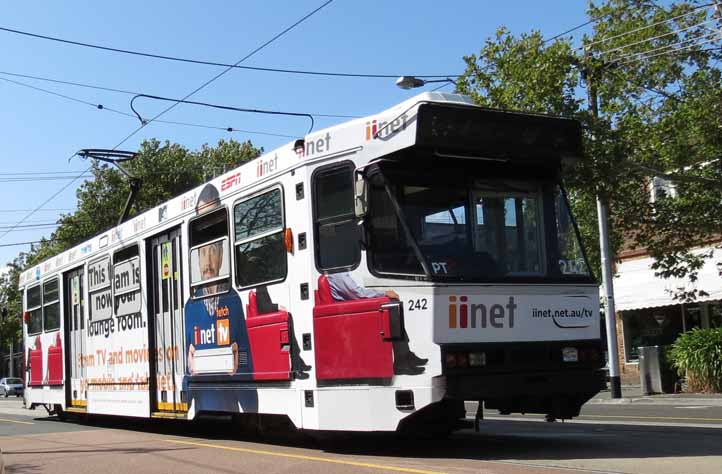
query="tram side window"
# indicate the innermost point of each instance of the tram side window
(209, 254)
(337, 234)
(35, 310)
(126, 281)
(259, 237)
(51, 305)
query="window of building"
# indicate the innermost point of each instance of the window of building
(126, 281)
(34, 309)
(259, 239)
(650, 327)
(336, 230)
(209, 254)
(51, 305)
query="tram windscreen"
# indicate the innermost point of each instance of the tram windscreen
(486, 230)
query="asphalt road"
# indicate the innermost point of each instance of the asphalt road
(608, 439)
(688, 414)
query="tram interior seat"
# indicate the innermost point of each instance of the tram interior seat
(269, 340)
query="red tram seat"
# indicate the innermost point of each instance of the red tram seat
(269, 341)
(55, 362)
(36, 363)
(349, 337)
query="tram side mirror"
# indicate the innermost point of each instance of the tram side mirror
(360, 197)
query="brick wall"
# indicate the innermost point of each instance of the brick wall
(629, 373)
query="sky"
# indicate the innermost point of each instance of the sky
(39, 132)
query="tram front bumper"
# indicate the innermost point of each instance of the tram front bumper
(560, 393)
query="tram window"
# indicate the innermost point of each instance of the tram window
(34, 309)
(209, 254)
(126, 281)
(260, 246)
(51, 305)
(337, 238)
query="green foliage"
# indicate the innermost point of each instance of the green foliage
(698, 354)
(165, 170)
(655, 112)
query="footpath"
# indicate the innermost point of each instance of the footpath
(633, 394)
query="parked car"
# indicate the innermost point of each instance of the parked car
(11, 386)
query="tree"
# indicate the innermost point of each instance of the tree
(165, 170)
(660, 113)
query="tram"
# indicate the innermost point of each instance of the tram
(371, 276)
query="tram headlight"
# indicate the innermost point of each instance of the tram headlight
(451, 360)
(477, 359)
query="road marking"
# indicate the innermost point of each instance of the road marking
(693, 407)
(16, 421)
(651, 417)
(308, 458)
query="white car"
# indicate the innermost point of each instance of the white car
(11, 386)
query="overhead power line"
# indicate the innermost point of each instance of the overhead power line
(44, 210)
(215, 63)
(640, 42)
(641, 28)
(683, 45)
(570, 30)
(222, 73)
(205, 84)
(53, 196)
(217, 106)
(22, 243)
(170, 122)
(128, 92)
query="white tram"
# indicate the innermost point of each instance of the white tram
(371, 276)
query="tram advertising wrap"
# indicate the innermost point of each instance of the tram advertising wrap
(463, 316)
(117, 357)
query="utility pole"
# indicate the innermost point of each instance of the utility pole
(610, 316)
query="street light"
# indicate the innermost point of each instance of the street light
(411, 82)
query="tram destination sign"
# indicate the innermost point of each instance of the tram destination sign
(498, 134)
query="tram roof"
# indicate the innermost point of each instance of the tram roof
(347, 136)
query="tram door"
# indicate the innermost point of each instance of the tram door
(167, 327)
(75, 359)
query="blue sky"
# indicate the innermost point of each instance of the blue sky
(39, 132)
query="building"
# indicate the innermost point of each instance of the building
(647, 312)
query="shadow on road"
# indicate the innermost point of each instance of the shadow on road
(497, 440)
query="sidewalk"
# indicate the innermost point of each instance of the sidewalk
(633, 394)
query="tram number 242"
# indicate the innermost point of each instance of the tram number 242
(417, 305)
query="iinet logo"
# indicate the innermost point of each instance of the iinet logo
(385, 129)
(463, 315)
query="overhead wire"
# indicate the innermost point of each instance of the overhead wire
(226, 70)
(15, 244)
(60, 209)
(205, 84)
(69, 83)
(636, 43)
(570, 30)
(689, 43)
(170, 122)
(626, 33)
(215, 63)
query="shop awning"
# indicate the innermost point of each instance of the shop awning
(636, 287)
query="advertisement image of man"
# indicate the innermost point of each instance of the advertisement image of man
(217, 344)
